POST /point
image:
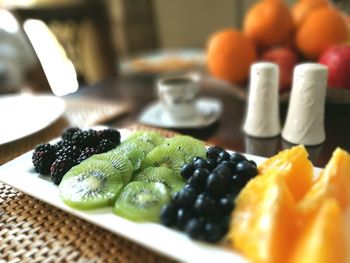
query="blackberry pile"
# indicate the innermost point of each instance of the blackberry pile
(75, 146)
(202, 208)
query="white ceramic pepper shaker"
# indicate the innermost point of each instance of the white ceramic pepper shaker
(305, 117)
(262, 118)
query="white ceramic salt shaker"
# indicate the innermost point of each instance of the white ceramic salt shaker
(305, 117)
(262, 118)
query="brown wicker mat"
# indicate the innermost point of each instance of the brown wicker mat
(33, 231)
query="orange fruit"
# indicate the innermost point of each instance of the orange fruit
(268, 22)
(229, 55)
(320, 30)
(303, 8)
(333, 182)
(323, 240)
(262, 224)
(294, 166)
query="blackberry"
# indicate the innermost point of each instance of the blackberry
(69, 151)
(110, 134)
(84, 139)
(42, 158)
(60, 167)
(104, 145)
(62, 144)
(86, 153)
(68, 133)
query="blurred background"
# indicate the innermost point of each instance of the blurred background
(77, 42)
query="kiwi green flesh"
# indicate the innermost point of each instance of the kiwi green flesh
(91, 184)
(163, 156)
(188, 146)
(148, 136)
(142, 201)
(172, 180)
(119, 162)
(135, 151)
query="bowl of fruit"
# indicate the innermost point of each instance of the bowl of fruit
(309, 31)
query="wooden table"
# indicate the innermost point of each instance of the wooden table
(227, 132)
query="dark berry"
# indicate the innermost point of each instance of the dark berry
(196, 158)
(85, 138)
(104, 145)
(198, 179)
(187, 170)
(226, 205)
(253, 163)
(86, 153)
(223, 156)
(168, 215)
(211, 164)
(230, 166)
(246, 169)
(213, 232)
(216, 185)
(233, 190)
(186, 197)
(224, 171)
(236, 158)
(43, 157)
(68, 133)
(110, 134)
(239, 181)
(68, 151)
(183, 216)
(62, 144)
(60, 167)
(204, 205)
(195, 228)
(213, 152)
(201, 163)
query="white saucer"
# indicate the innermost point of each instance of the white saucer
(209, 111)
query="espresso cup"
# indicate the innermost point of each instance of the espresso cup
(178, 95)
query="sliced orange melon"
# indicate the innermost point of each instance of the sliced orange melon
(262, 224)
(333, 182)
(323, 240)
(293, 164)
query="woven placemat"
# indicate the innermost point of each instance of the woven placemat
(33, 231)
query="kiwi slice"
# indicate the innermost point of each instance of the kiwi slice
(152, 137)
(142, 201)
(135, 151)
(173, 181)
(119, 162)
(188, 146)
(164, 156)
(91, 184)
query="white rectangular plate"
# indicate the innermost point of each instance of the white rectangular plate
(20, 174)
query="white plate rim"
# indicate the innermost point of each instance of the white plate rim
(163, 242)
(57, 108)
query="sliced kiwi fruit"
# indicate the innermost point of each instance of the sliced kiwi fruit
(172, 180)
(91, 184)
(151, 137)
(135, 151)
(164, 156)
(142, 201)
(188, 146)
(119, 162)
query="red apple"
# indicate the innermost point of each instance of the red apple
(286, 59)
(337, 59)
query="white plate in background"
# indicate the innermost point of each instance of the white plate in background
(24, 114)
